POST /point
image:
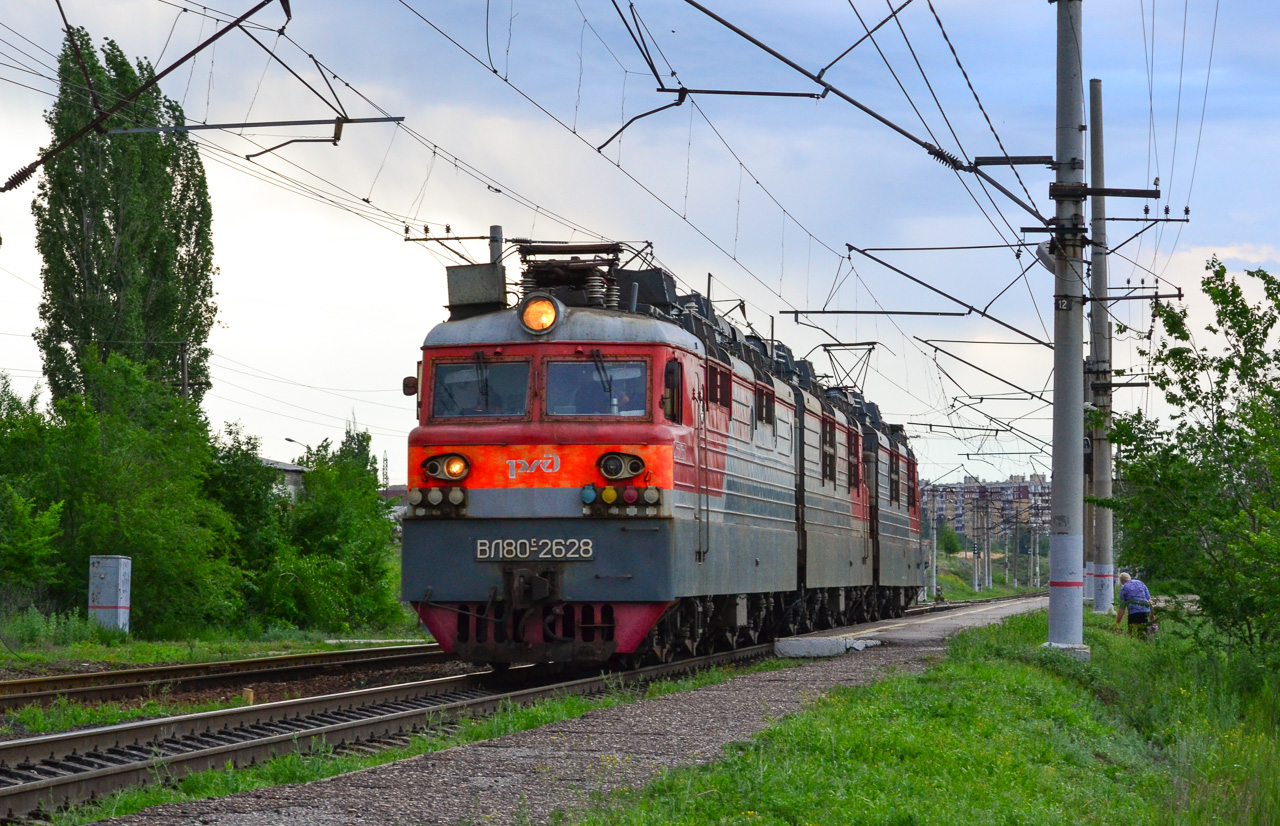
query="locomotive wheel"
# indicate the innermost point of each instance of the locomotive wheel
(858, 610)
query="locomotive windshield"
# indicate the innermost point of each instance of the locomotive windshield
(597, 388)
(480, 389)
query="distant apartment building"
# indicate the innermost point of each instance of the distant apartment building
(973, 506)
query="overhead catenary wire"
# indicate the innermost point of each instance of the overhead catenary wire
(703, 115)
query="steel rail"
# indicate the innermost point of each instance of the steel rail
(133, 682)
(41, 773)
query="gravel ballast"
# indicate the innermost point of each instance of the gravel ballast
(525, 777)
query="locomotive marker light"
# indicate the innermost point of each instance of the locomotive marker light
(609, 495)
(435, 496)
(539, 313)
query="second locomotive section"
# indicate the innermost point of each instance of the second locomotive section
(588, 482)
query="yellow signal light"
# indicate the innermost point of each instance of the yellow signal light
(539, 315)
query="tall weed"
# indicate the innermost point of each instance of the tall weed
(33, 629)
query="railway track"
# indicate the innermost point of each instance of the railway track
(41, 773)
(135, 682)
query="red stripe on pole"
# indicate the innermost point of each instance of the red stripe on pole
(1105, 576)
(1053, 584)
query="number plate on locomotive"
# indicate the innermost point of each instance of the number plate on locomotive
(545, 550)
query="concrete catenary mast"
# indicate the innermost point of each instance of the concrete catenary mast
(1066, 522)
(1100, 360)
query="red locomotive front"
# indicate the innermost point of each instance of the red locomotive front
(542, 481)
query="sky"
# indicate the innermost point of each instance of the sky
(323, 305)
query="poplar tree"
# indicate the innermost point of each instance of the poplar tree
(124, 225)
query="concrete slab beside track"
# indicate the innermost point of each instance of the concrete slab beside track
(526, 777)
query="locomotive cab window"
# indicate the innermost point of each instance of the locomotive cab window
(597, 388)
(673, 392)
(480, 389)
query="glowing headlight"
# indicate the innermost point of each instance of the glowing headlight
(539, 314)
(455, 467)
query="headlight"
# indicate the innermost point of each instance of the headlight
(539, 314)
(450, 467)
(620, 465)
(612, 466)
(455, 467)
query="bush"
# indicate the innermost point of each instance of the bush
(129, 468)
(338, 573)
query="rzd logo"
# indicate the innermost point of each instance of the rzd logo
(549, 463)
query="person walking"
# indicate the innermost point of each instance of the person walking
(1135, 601)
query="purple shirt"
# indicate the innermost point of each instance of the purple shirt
(1136, 596)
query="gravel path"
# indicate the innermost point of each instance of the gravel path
(525, 777)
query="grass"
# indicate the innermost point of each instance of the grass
(955, 578)
(36, 643)
(305, 768)
(64, 714)
(1004, 731)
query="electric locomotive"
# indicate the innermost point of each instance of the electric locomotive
(609, 469)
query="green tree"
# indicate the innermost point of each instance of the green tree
(26, 538)
(27, 529)
(124, 466)
(124, 225)
(250, 494)
(1198, 502)
(949, 540)
(337, 573)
